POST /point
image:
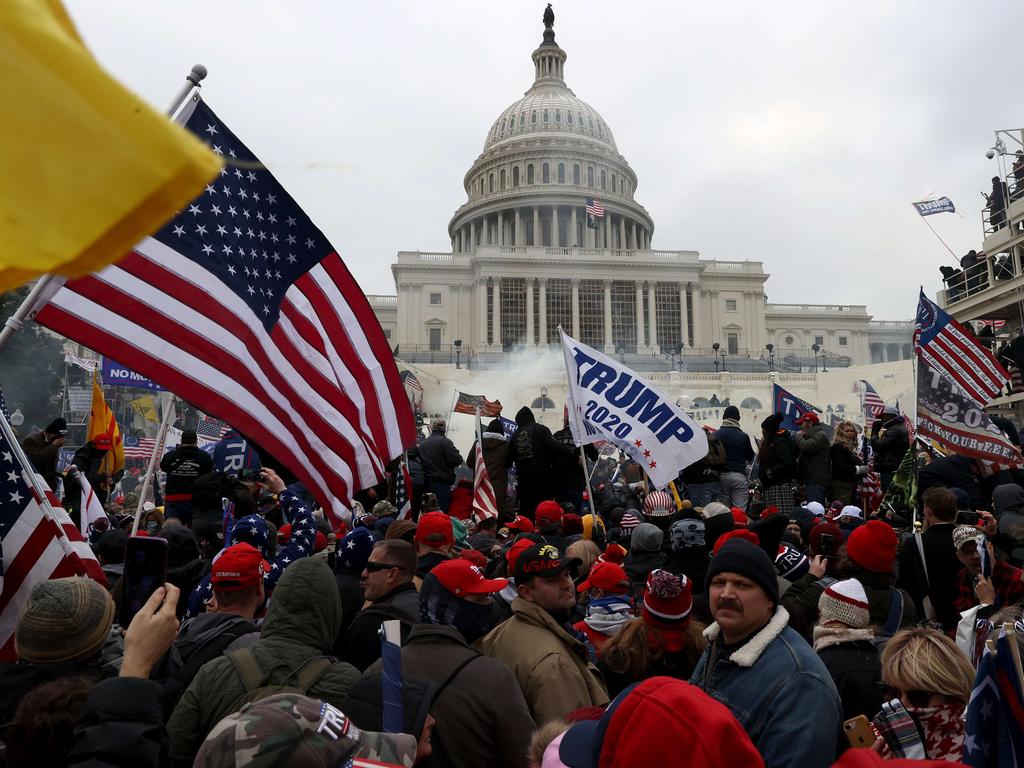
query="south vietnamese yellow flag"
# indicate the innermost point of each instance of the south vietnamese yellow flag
(102, 424)
(89, 169)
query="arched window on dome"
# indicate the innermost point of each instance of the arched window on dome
(515, 176)
(580, 115)
(568, 116)
(558, 117)
(545, 117)
(533, 117)
(590, 176)
(501, 179)
(522, 120)
(576, 174)
(545, 174)
(613, 183)
(490, 183)
(590, 122)
(603, 180)
(529, 174)
(561, 173)
(600, 129)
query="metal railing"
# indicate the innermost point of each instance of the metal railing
(979, 272)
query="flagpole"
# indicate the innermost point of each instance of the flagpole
(33, 478)
(586, 476)
(925, 220)
(28, 308)
(158, 450)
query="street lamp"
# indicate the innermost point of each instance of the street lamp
(543, 401)
(17, 418)
(458, 352)
(815, 348)
(716, 346)
(771, 356)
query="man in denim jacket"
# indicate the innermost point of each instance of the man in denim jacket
(763, 671)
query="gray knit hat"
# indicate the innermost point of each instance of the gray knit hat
(646, 538)
(64, 620)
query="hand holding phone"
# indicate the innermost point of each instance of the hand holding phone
(859, 732)
(145, 570)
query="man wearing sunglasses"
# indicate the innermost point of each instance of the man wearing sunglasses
(390, 594)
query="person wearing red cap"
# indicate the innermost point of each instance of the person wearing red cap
(550, 662)
(660, 641)
(548, 519)
(434, 540)
(870, 558)
(813, 464)
(609, 605)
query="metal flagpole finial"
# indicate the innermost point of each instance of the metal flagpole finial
(197, 74)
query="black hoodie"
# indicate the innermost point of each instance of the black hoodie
(534, 447)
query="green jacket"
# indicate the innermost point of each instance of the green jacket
(302, 621)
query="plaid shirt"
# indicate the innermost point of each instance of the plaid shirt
(1006, 579)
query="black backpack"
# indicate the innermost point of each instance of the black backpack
(179, 679)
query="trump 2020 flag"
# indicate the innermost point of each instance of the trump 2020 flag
(790, 406)
(608, 401)
(930, 207)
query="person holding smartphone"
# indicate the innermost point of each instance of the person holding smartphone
(1003, 587)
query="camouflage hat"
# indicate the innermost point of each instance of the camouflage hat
(295, 731)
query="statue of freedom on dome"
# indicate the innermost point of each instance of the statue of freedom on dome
(549, 17)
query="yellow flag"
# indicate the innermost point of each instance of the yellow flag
(102, 424)
(145, 407)
(89, 169)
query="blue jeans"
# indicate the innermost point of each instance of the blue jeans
(442, 490)
(179, 509)
(702, 494)
(814, 492)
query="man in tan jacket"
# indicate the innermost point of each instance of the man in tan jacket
(550, 663)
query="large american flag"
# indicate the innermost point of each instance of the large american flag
(485, 505)
(873, 402)
(138, 447)
(36, 543)
(594, 208)
(242, 307)
(952, 350)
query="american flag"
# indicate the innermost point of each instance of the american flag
(995, 325)
(594, 208)
(472, 403)
(38, 541)
(138, 447)
(994, 731)
(242, 307)
(952, 350)
(485, 505)
(403, 491)
(873, 402)
(3, 407)
(410, 380)
(214, 429)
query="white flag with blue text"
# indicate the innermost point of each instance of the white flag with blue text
(608, 401)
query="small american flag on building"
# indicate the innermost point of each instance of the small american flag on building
(410, 380)
(594, 208)
(138, 447)
(995, 325)
(472, 403)
(214, 429)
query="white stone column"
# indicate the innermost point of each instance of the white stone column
(698, 327)
(608, 231)
(609, 345)
(542, 297)
(496, 313)
(501, 229)
(553, 227)
(472, 236)
(530, 344)
(538, 238)
(632, 236)
(652, 318)
(575, 307)
(480, 337)
(519, 228)
(684, 324)
(574, 239)
(622, 233)
(640, 343)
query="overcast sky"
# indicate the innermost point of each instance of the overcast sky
(792, 133)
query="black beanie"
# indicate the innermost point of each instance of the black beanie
(772, 423)
(746, 559)
(57, 427)
(731, 412)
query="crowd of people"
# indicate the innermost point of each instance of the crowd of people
(752, 614)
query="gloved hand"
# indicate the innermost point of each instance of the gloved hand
(862, 470)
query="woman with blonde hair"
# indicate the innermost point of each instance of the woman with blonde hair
(588, 552)
(847, 463)
(932, 678)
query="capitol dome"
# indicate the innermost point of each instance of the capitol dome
(547, 157)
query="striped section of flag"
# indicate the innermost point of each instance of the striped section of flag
(471, 404)
(485, 505)
(594, 208)
(410, 380)
(214, 429)
(38, 542)
(873, 402)
(403, 491)
(138, 447)
(952, 350)
(995, 325)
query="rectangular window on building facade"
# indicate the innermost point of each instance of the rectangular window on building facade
(538, 332)
(387, 333)
(559, 296)
(819, 340)
(842, 341)
(730, 305)
(489, 335)
(513, 310)
(666, 312)
(435, 298)
(592, 313)
(624, 316)
(435, 339)
(733, 343)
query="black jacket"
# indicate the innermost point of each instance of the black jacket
(856, 669)
(950, 472)
(439, 458)
(122, 725)
(362, 641)
(183, 465)
(943, 566)
(844, 464)
(890, 441)
(738, 451)
(776, 463)
(43, 456)
(534, 448)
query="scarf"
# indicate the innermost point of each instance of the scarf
(943, 729)
(824, 637)
(734, 423)
(608, 615)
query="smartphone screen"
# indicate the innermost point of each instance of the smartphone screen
(145, 569)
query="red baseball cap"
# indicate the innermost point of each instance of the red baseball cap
(461, 577)
(102, 442)
(515, 550)
(810, 416)
(548, 513)
(521, 524)
(435, 530)
(240, 566)
(609, 577)
(284, 533)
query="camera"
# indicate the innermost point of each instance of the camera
(990, 154)
(966, 517)
(251, 476)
